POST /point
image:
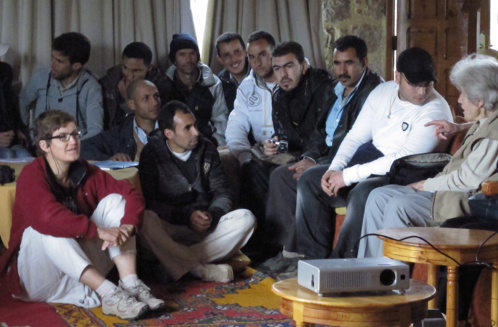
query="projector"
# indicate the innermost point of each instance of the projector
(353, 275)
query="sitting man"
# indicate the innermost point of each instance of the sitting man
(66, 86)
(136, 63)
(13, 142)
(194, 84)
(232, 54)
(389, 126)
(251, 118)
(297, 104)
(125, 142)
(189, 223)
(354, 83)
(432, 201)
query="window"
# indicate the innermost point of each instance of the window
(199, 11)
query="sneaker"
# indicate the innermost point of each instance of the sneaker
(278, 264)
(214, 273)
(142, 293)
(122, 304)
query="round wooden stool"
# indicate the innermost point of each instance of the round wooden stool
(460, 244)
(354, 309)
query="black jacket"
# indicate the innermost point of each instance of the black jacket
(113, 101)
(10, 118)
(317, 149)
(295, 113)
(118, 139)
(169, 193)
(230, 86)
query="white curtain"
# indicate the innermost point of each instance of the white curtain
(29, 26)
(296, 20)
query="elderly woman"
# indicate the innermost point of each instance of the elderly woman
(71, 223)
(432, 201)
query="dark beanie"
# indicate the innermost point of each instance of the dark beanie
(179, 42)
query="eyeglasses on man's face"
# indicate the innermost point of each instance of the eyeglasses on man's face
(65, 137)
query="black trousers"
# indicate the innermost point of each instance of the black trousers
(347, 245)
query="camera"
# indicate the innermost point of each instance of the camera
(282, 146)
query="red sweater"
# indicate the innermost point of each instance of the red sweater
(36, 206)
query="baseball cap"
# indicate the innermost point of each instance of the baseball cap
(3, 49)
(417, 66)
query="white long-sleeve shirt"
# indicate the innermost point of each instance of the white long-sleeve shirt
(395, 127)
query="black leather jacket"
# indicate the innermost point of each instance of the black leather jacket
(317, 149)
(170, 194)
(295, 113)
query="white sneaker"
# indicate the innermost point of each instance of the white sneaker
(142, 293)
(122, 304)
(214, 273)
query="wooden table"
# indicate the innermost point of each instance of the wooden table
(352, 309)
(8, 194)
(460, 244)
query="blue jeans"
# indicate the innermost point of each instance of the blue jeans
(15, 151)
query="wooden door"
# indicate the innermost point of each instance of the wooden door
(447, 29)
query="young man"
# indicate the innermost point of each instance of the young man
(193, 83)
(67, 86)
(354, 82)
(251, 118)
(125, 142)
(13, 140)
(189, 224)
(303, 92)
(232, 54)
(391, 125)
(136, 64)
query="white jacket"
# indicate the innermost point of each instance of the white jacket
(252, 113)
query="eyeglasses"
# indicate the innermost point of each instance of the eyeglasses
(65, 137)
(424, 85)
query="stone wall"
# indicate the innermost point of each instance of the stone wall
(364, 18)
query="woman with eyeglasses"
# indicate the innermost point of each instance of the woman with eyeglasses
(71, 224)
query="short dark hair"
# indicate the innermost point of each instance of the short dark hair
(47, 123)
(228, 37)
(165, 118)
(352, 41)
(138, 50)
(74, 45)
(261, 35)
(289, 47)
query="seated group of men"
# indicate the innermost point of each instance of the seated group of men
(306, 142)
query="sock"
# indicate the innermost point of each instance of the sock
(107, 287)
(130, 281)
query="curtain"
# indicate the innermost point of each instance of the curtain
(29, 26)
(296, 20)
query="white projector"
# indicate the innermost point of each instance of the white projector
(353, 275)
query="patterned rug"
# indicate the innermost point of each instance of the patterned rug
(248, 301)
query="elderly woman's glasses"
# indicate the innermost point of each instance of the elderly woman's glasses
(65, 137)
